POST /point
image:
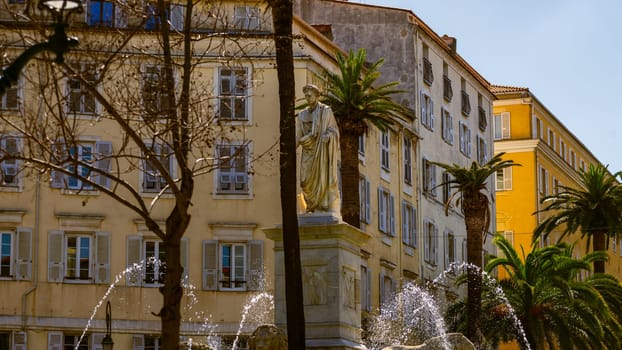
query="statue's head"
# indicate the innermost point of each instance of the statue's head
(268, 337)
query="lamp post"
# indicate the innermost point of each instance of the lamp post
(58, 43)
(107, 342)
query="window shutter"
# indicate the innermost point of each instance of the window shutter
(424, 118)
(362, 198)
(381, 212)
(451, 129)
(507, 178)
(177, 17)
(96, 341)
(210, 265)
(391, 215)
(413, 227)
(121, 15)
(435, 244)
(104, 163)
(134, 260)
(505, 125)
(381, 289)
(546, 183)
(405, 235)
(23, 260)
(55, 341)
(255, 265)
(469, 146)
(446, 258)
(59, 154)
(367, 201)
(138, 342)
(426, 241)
(368, 289)
(55, 256)
(433, 179)
(19, 341)
(102, 257)
(184, 258)
(431, 114)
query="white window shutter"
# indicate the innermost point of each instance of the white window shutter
(104, 162)
(210, 265)
(134, 260)
(381, 288)
(138, 342)
(433, 179)
(404, 218)
(56, 268)
(424, 118)
(96, 341)
(446, 241)
(367, 201)
(255, 265)
(102, 257)
(426, 241)
(184, 258)
(177, 17)
(435, 241)
(368, 289)
(381, 212)
(55, 341)
(431, 111)
(20, 341)
(505, 116)
(507, 178)
(392, 215)
(24, 254)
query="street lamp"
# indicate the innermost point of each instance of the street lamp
(58, 43)
(107, 342)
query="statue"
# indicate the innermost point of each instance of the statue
(267, 337)
(318, 134)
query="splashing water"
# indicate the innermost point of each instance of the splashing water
(410, 318)
(257, 310)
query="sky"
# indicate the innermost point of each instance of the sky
(567, 52)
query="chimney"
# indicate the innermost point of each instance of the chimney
(451, 42)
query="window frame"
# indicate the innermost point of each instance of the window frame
(430, 242)
(365, 200)
(212, 265)
(386, 212)
(429, 177)
(505, 184)
(427, 110)
(385, 150)
(234, 172)
(87, 105)
(75, 275)
(10, 165)
(15, 90)
(450, 248)
(174, 15)
(243, 95)
(150, 174)
(408, 161)
(101, 160)
(250, 20)
(465, 139)
(502, 129)
(447, 126)
(482, 150)
(409, 224)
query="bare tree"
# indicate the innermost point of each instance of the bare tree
(147, 90)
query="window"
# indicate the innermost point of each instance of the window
(446, 187)
(450, 248)
(447, 126)
(427, 111)
(233, 101)
(17, 1)
(174, 16)
(562, 149)
(386, 212)
(233, 169)
(362, 146)
(538, 134)
(365, 200)
(146, 260)
(429, 177)
(465, 105)
(543, 181)
(145, 342)
(551, 139)
(502, 126)
(387, 289)
(428, 73)
(79, 101)
(430, 233)
(247, 17)
(384, 150)
(408, 161)
(13, 340)
(573, 160)
(86, 164)
(16, 254)
(152, 178)
(448, 92)
(504, 179)
(62, 341)
(365, 289)
(483, 119)
(10, 99)
(482, 150)
(78, 257)
(409, 224)
(9, 145)
(105, 14)
(582, 164)
(465, 139)
(154, 92)
(230, 266)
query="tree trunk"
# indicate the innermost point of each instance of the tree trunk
(599, 243)
(474, 214)
(282, 16)
(172, 290)
(351, 202)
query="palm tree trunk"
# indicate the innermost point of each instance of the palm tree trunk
(282, 17)
(599, 243)
(351, 207)
(474, 213)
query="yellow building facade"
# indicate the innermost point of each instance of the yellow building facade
(549, 155)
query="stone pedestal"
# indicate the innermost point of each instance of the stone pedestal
(331, 269)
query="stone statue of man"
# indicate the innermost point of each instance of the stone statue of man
(318, 135)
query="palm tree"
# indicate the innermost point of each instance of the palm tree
(556, 309)
(355, 101)
(470, 185)
(595, 209)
